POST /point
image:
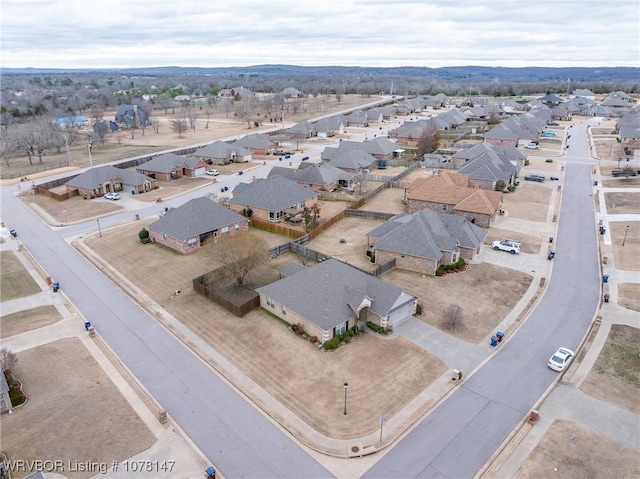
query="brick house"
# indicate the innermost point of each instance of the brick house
(316, 176)
(272, 199)
(333, 297)
(220, 152)
(100, 180)
(186, 228)
(170, 166)
(450, 193)
(488, 164)
(423, 241)
(257, 143)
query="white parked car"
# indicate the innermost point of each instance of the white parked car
(112, 196)
(561, 359)
(532, 146)
(511, 246)
(213, 172)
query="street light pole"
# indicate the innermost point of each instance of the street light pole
(89, 145)
(346, 385)
(383, 419)
(99, 230)
(625, 235)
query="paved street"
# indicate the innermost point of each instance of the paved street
(459, 436)
(455, 440)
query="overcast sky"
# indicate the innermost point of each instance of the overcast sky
(216, 33)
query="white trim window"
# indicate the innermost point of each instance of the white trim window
(284, 310)
(270, 302)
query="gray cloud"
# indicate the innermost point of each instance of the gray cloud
(119, 33)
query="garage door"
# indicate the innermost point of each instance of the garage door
(201, 171)
(400, 313)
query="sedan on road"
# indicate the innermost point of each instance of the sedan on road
(561, 359)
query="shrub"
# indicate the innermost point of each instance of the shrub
(526, 162)
(549, 160)
(418, 309)
(440, 270)
(143, 235)
(313, 339)
(351, 332)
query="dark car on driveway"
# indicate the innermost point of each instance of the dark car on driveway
(537, 178)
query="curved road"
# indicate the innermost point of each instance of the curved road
(459, 436)
(455, 440)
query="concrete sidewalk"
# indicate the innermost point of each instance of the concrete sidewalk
(171, 446)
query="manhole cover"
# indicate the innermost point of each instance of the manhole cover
(355, 449)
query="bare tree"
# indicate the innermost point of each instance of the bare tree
(8, 360)
(428, 142)
(453, 318)
(239, 254)
(179, 126)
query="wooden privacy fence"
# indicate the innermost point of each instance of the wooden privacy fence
(277, 228)
(209, 292)
(370, 215)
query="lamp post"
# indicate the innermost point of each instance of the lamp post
(625, 235)
(383, 419)
(346, 385)
(89, 145)
(99, 230)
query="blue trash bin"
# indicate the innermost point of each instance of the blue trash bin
(87, 325)
(494, 341)
(595, 183)
(211, 472)
(56, 287)
(500, 335)
(605, 278)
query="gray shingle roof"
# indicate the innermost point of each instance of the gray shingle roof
(95, 177)
(274, 194)
(328, 293)
(220, 149)
(427, 234)
(195, 217)
(320, 174)
(165, 163)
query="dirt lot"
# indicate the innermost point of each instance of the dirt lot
(69, 392)
(28, 320)
(629, 295)
(632, 182)
(353, 250)
(570, 450)
(615, 377)
(15, 280)
(479, 291)
(626, 257)
(530, 202)
(621, 203)
(387, 201)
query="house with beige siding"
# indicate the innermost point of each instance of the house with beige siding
(332, 297)
(186, 228)
(451, 193)
(423, 241)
